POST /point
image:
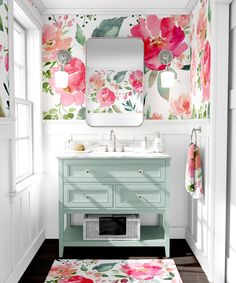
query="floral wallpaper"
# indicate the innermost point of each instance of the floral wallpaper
(200, 73)
(4, 60)
(115, 91)
(187, 36)
(70, 32)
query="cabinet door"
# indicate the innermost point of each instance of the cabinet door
(140, 195)
(88, 195)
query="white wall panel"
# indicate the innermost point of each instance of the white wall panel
(176, 140)
(231, 198)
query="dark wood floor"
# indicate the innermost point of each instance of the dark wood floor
(188, 267)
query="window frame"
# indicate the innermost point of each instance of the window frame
(24, 101)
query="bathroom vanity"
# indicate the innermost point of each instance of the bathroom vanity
(114, 183)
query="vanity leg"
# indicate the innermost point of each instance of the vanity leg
(167, 247)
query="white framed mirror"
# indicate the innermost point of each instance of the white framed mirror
(114, 81)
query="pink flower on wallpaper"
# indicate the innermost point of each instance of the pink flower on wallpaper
(53, 40)
(97, 81)
(106, 97)
(158, 34)
(7, 62)
(74, 93)
(183, 21)
(136, 80)
(141, 271)
(156, 116)
(181, 106)
(76, 279)
(201, 29)
(206, 71)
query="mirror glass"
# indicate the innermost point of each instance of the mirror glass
(114, 81)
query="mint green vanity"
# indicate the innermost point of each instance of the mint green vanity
(100, 184)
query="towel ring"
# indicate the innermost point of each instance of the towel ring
(194, 131)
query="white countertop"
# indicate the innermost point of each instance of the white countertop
(107, 155)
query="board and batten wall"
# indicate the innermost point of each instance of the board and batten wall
(231, 198)
(21, 215)
(176, 136)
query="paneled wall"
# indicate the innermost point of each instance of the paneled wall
(199, 230)
(176, 136)
(231, 200)
(21, 216)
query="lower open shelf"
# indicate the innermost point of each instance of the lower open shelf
(150, 236)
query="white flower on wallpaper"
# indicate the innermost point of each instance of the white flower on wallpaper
(113, 91)
(70, 32)
(4, 60)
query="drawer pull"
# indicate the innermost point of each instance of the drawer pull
(140, 196)
(87, 196)
(88, 171)
(140, 171)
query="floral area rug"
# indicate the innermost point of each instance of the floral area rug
(114, 271)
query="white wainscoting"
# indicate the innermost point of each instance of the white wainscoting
(199, 231)
(21, 217)
(176, 139)
(231, 194)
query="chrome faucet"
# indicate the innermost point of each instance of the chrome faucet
(113, 139)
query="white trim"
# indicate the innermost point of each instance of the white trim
(218, 143)
(80, 127)
(163, 12)
(232, 16)
(25, 261)
(204, 261)
(232, 99)
(33, 180)
(22, 7)
(191, 5)
(230, 267)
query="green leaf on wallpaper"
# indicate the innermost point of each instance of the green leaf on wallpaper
(109, 28)
(209, 12)
(148, 112)
(1, 25)
(68, 116)
(6, 7)
(116, 109)
(119, 77)
(144, 99)
(209, 110)
(79, 35)
(81, 114)
(2, 113)
(72, 109)
(89, 17)
(128, 88)
(186, 67)
(194, 114)
(164, 92)
(1, 2)
(110, 110)
(83, 268)
(172, 117)
(152, 78)
(53, 111)
(146, 69)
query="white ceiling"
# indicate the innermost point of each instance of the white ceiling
(103, 5)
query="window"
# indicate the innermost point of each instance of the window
(23, 107)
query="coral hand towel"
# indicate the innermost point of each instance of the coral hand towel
(193, 175)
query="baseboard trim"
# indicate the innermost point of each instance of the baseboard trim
(201, 257)
(18, 271)
(230, 267)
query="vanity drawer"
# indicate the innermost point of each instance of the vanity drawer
(88, 195)
(114, 170)
(140, 195)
